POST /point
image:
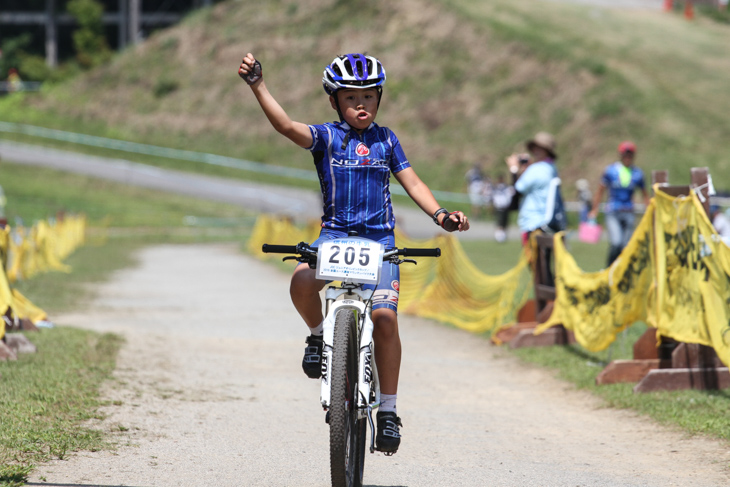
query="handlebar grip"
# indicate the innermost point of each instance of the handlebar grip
(420, 252)
(279, 249)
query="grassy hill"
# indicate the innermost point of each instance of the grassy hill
(467, 81)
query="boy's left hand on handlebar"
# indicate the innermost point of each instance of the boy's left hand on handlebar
(455, 221)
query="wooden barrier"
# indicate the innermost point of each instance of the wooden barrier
(537, 310)
(667, 364)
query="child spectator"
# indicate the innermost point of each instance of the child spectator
(502, 201)
(476, 188)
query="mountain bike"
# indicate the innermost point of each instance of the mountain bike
(350, 389)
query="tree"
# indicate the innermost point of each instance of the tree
(12, 51)
(89, 41)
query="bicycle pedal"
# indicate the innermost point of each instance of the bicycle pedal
(327, 417)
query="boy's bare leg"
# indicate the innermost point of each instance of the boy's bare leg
(387, 349)
(304, 292)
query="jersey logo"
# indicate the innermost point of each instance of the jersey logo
(362, 149)
(395, 285)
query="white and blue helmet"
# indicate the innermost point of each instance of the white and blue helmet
(357, 71)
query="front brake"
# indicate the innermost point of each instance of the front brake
(395, 260)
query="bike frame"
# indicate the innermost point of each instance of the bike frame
(350, 297)
(357, 300)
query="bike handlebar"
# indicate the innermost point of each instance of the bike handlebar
(420, 252)
(304, 249)
(279, 249)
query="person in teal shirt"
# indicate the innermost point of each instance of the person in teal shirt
(622, 179)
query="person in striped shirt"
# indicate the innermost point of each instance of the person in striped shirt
(354, 159)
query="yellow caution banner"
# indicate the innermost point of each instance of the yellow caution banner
(674, 274)
(692, 275)
(449, 289)
(597, 306)
(467, 298)
(26, 252)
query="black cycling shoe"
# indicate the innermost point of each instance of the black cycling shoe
(388, 438)
(312, 361)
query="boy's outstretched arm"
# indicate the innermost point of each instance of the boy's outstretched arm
(421, 194)
(297, 132)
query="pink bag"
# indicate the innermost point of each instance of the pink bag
(589, 232)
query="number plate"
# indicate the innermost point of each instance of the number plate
(351, 259)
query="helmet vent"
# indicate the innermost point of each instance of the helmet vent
(351, 71)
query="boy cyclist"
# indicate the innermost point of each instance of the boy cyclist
(354, 158)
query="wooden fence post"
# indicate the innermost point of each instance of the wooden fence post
(522, 333)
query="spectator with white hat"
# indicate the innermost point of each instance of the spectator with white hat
(534, 174)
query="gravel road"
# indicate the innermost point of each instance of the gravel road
(209, 392)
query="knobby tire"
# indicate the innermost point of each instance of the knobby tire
(347, 433)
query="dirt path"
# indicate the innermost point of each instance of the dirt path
(210, 393)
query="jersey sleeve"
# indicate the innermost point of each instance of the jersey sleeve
(320, 138)
(398, 159)
(606, 177)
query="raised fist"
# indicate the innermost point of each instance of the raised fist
(250, 69)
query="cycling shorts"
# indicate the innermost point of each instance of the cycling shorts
(387, 289)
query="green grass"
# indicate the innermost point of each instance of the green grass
(58, 292)
(696, 412)
(47, 397)
(641, 66)
(591, 75)
(494, 258)
(50, 399)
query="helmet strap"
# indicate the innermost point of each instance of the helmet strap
(337, 104)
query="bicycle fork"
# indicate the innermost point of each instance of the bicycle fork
(368, 398)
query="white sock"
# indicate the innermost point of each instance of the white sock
(319, 331)
(387, 403)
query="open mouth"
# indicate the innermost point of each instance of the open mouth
(362, 115)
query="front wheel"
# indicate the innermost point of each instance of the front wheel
(347, 433)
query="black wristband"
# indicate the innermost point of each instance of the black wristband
(436, 215)
(447, 217)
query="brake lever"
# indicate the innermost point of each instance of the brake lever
(304, 259)
(395, 260)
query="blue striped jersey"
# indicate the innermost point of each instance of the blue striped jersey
(354, 175)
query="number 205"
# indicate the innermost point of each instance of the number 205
(349, 255)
